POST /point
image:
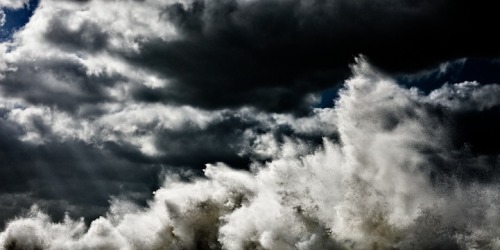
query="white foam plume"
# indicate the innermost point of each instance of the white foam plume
(378, 188)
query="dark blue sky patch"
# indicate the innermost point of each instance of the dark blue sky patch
(15, 19)
(328, 97)
(482, 70)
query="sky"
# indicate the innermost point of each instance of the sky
(249, 124)
(14, 15)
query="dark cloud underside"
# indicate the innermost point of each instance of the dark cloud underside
(265, 53)
(100, 100)
(273, 54)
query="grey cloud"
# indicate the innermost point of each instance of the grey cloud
(481, 70)
(94, 112)
(71, 172)
(60, 82)
(272, 55)
(2, 18)
(265, 53)
(47, 160)
(89, 36)
(13, 4)
(378, 186)
(240, 138)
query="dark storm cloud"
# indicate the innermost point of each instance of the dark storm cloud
(228, 140)
(399, 167)
(268, 54)
(58, 82)
(88, 36)
(271, 54)
(219, 142)
(81, 121)
(478, 131)
(80, 177)
(75, 173)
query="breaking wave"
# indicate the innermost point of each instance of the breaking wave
(389, 182)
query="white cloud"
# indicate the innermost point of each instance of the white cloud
(370, 187)
(13, 4)
(467, 96)
(374, 188)
(2, 18)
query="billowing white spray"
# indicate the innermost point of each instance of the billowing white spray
(376, 188)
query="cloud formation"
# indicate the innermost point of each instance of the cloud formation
(123, 150)
(101, 101)
(272, 55)
(2, 18)
(395, 179)
(13, 4)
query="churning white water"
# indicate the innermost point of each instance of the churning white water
(377, 187)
